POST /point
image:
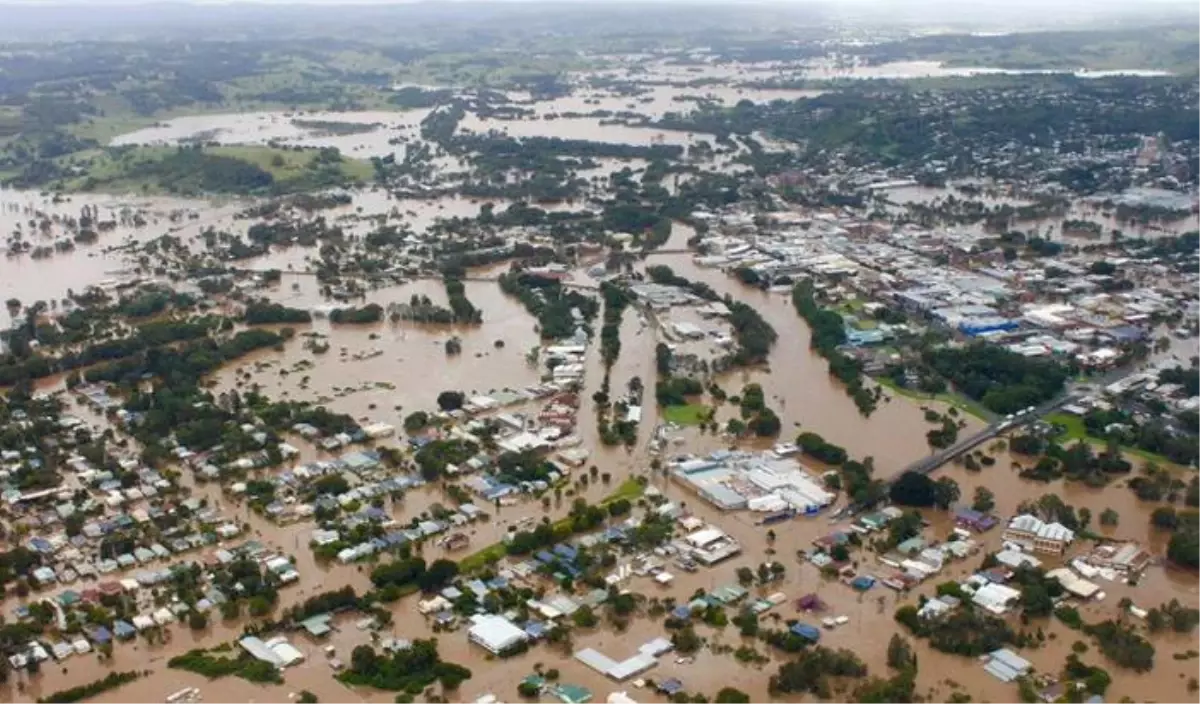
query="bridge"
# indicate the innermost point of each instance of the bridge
(926, 465)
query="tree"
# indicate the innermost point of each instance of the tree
(686, 641)
(197, 620)
(438, 575)
(984, 501)
(1109, 517)
(416, 421)
(306, 697)
(1184, 548)
(584, 617)
(914, 489)
(946, 493)
(451, 400)
(729, 695)
(745, 576)
(528, 690)
(900, 654)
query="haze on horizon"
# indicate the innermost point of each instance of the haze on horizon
(73, 16)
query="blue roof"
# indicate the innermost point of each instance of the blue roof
(100, 634)
(123, 630)
(671, 686)
(565, 551)
(681, 611)
(544, 557)
(807, 632)
(863, 582)
(535, 629)
(613, 535)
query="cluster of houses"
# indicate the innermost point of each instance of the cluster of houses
(140, 589)
(391, 535)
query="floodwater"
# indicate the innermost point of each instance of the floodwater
(580, 128)
(42, 220)
(800, 389)
(844, 68)
(384, 371)
(281, 128)
(387, 370)
(657, 100)
(1050, 227)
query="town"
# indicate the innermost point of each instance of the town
(820, 366)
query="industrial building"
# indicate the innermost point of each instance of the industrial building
(767, 482)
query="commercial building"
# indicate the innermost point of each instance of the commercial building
(767, 482)
(1074, 584)
(995, 597)
(1031, 533)
(711, 545)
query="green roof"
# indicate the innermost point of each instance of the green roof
(572, 693)
(317, 625)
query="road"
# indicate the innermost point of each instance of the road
(1074, 392)
(926, 465)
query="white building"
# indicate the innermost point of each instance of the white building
(495, 634)
(711, 545)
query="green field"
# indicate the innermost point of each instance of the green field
(129, 170)
(959, 401)
(691, 414)
(1076, 430)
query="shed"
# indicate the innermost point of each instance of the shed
(317, 626)
(807, 632)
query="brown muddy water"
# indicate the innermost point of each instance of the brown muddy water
(800, 389)
(384, 371)
(388, 370)
(1048, 227)
(43, 220)
(282, 128)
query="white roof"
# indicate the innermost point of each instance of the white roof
(285, 651)
(1056, 531)
(995, 597)
(705, 536)
(495, 633)
(1027, 523)
(1073, 583)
